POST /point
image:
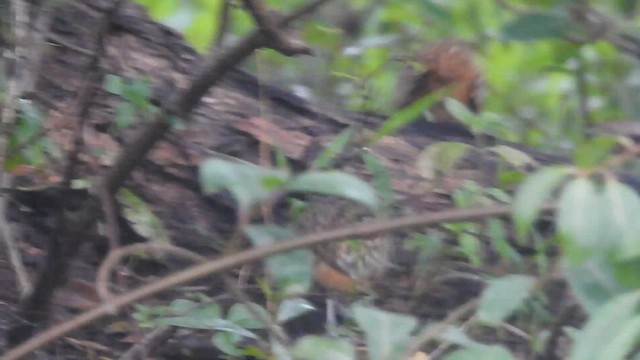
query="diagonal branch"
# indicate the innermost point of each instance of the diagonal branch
(364, 230)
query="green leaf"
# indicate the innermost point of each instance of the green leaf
(461, 112)
(481, 353)
(513, 156)
(113, 84)
(503, 297)
(327, 157)
(125, 115)
(335, 183)
(611, 332)
(471, 246)
(249, 184)
(623, 207)
(292, 271)
(440, 158)
(227, 343)
(593, 282)
(141, 217)
(231, 327)
(388, 334)
(183, 306)
(241, 316)
(538, 25)
(323, 348)
(581, 217)
(595, 151)
(533, 193)
(408, 115)
(292, 308)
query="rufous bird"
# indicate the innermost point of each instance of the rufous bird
(450, 64)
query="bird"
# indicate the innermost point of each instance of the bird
(448, 63)
(350, 266)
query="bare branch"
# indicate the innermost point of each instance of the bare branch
(361, 231)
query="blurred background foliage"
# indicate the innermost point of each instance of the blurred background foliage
(549, 76)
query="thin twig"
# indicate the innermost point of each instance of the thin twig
(102, 282)
(433, 332)
(150, 341)
(273, 329)
(276, 38)
(87, 92)
(7, 125)
(13, 252)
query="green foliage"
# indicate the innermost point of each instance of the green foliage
(28, 144)
(137, 106)
(537, 25)
(228, 331)
(293, 271)
(440, 158)
(611, 332)
(502, 297)
(323, 348)
(387, 334)
(142, 218)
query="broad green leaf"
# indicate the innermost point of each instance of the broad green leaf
(538, 25)
(292, 308)
(137, 92)
(292, 271)
(457, 336)
(183, 306)
(249, 184)
(323, 348)
(581, 216)
(533, 193)
(335, 183)
(328, 156)
(388, 334)
(481, 353)
(440, 158)
(460, 111)
(595, 151)
(141, 217)
(503, 297)
(240, 315)
(227, 343)
(623, 207)
(593, 282)
(513, 156)
(614, 323)
(113, 84)
(626, 340)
